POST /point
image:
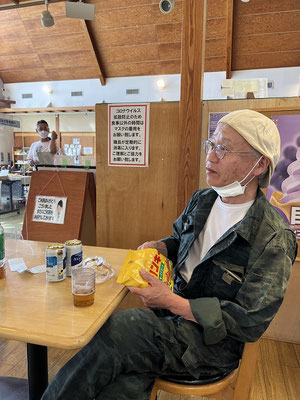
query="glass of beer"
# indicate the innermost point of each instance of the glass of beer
(83, 286)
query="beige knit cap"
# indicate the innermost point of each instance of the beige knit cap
(260, 132)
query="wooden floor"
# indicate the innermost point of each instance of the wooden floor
(277, 376)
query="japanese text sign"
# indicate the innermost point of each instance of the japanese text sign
(50, 209)
(128, 135)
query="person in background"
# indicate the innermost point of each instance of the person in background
(45, 144)
(232, 254)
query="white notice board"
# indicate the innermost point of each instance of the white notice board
(128, 135)
(50, 209)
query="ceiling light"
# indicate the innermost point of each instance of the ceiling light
(161, 84)
(245, 1)
(46, 18)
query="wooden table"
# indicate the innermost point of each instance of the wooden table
(42, 314)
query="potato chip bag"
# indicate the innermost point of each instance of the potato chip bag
(151, 261)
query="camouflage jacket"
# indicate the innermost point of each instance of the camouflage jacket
(259, 250)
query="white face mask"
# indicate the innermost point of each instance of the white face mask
(235, 188)
(43, 134)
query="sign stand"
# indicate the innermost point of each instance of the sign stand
(80, 213)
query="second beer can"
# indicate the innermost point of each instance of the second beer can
(56, 262)
(74, 255)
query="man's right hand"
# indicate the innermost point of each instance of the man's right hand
(155, 244)
(32, 163)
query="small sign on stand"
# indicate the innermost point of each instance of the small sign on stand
(128, 135)
(50, 209)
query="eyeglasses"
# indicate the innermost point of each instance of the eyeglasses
(220, 149)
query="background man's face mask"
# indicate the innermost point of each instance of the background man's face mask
(235, 188)
(43, 134)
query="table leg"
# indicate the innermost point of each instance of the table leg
(37, 365)
(11, 197)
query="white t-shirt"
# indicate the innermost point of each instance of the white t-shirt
(38, 147)
(221, 218)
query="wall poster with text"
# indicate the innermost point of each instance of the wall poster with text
(284, 189)
(128, 135)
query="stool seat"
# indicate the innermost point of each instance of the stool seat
(234, 385)
(191, 380)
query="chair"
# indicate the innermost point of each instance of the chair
(235, 386)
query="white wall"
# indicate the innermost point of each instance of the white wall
(286, 84)
(6, 141)
(79, 122)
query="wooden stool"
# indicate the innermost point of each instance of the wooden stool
(235, 386)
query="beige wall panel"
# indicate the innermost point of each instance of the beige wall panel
(28, 75)
(23, 61)
(9, 15)
(170, 51)
(169, 33)
(59, 43)
(62, 26)
(273, 60)
(143, 68)
(258, 6)
(138, 204)
(265, 43)
(20, 46)
(72, 73)
(215, 47)
(216, 28)
(61, 60)
(12, 30)
(267, 23)
(124, 36)
(145, 52)
(285, 326)
(35, 12)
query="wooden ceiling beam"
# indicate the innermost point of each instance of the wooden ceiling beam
(92, 47)
(229, 36)
(190, 110)
(46, 110)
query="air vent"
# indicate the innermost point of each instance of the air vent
(132, 91)
(26, 95)
(76, 94)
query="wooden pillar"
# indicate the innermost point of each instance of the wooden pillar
(229, 36)
(57, 129)
(192, 70)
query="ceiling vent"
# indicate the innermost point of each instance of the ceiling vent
(74, 94)
(132, 91)
(26, 95)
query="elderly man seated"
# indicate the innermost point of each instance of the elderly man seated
(232, 254)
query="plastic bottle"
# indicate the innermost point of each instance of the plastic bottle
(2, 253)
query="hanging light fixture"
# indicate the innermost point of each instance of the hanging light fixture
(46, 18)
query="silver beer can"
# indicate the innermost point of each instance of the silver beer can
(56, 270)
(74, 255)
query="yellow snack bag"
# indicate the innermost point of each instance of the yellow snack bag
(151, 261)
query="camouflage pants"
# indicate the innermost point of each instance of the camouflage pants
(122, 360)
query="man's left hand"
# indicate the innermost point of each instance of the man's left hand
(157, 295)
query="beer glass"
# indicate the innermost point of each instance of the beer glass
(83, 286)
